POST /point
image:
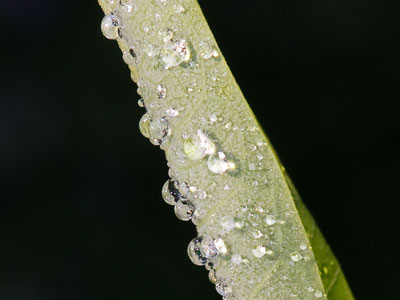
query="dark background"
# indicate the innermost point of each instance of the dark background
(81, 216)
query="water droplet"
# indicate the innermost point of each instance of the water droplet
(170, 192)
(295, 256)
(213, 118)
(144, 125)
(270, 220)
(127, 6)
(227, 223)
(209, 248)
(218, 163)
(175, 52)
(161, 91)
(179, 9)
(110, 27)
(184, 210)
(159, 131)
(310, 289)
(129, 57)
(198, 146)
(236, 259)
(259, 251)
(162, 2)
(257, 234)
(207, 51)
(194, 251)
(318, 294)
(172, 112)
(141, 102)
(303, 246)
(221, 247)
(212, 275)
(223, 288)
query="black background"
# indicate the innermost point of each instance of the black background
(81, 216)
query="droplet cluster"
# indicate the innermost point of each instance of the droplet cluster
(194, 112)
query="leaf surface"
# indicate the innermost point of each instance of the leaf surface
(255, 235)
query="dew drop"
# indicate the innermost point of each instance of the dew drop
(223, 288)
(209, 247)
(198, 146)
(127, 6)
(207, 51)
(172, 112)
(218, 163)
(144, 125)
(159, 130)
(303, 246)
(236, 259)
(184, 210)
(270, 220)
(175, 52)
(259, 251)
(295, 256)
(212, 276)
(109, 27)
(194, 251)
(318, 294)
(141, 102)
(170, 192)
(310, 289)
(129, 57)
(227, 223)
(161, 91)
(257, 234)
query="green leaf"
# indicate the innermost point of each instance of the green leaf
(255, 235)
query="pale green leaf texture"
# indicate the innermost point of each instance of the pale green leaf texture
(261, 240)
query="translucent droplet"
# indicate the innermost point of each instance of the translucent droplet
(141, 102)
(227, 223)
(166, 34)
(207, 51)
(194, 251)
(170, 192)
(184, 210)
(303, 246)
(220, 245)
(198, 146)
(144, 125)
(318, 294)
(172, 112)
(259, 251)
(223, 288)
(179, 9)
(208, 247)
(175, 52)
(129, 57)
(127, 6)
(236, 259)
(110, 27)
(161, 91)
(212, 275)
(310, 289)
(159, 130)
(218, 163)
(295, 256)
(270, 220)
